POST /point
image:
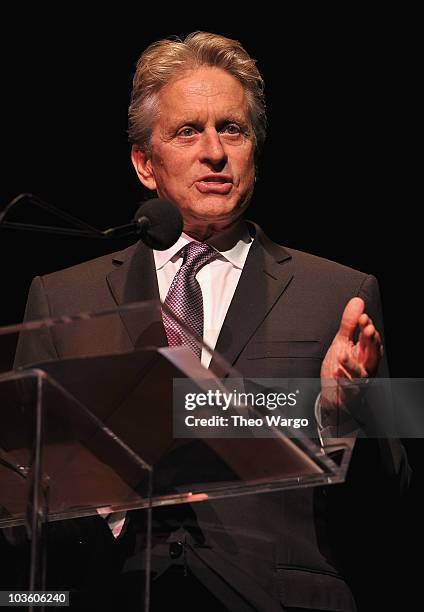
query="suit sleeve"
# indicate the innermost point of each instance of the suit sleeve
(37, 345)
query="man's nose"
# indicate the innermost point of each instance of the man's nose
(212, 151)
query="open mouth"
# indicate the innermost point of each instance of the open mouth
(218, 179)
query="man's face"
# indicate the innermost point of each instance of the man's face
(202, 153)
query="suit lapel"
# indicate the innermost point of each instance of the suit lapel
(266, 275)
(134, 280)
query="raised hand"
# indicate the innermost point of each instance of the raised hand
(345, 360)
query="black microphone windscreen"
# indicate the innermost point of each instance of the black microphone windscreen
(165, 223)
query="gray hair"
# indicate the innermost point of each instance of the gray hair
(164, 59)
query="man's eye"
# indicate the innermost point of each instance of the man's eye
(187, 131)
(232, 129)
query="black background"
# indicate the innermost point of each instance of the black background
(339, 175)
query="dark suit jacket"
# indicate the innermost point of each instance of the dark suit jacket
(258, 551)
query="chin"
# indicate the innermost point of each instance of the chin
(215, 207)
(212, 216)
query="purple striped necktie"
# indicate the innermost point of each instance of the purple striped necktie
(185, 298)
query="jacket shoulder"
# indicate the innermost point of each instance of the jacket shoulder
(324, 267)
(90, 270)
(306, 265)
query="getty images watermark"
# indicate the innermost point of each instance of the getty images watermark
(241, 409)
(378, 408)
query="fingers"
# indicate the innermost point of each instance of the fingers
(346, 359)
(353, 311)
(369, 347)
(364, 320)
(369, 344)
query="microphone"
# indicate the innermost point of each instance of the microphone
(157, 222)
(161, 223)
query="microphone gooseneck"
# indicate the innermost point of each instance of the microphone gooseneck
(157, 222)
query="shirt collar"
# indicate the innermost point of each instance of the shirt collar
(232, 244)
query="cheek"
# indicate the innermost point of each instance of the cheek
(246, 162)
(174, 168)
(247, 171)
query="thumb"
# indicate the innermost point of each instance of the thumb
(350, 318)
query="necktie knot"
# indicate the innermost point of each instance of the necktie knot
(196, 255)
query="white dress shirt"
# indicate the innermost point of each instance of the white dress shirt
(218, 279)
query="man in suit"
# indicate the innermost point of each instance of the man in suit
(197, 124)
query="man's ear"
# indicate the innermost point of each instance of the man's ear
(143, 166)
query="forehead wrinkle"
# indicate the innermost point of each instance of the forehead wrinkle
(206, 89)
(203, 89)
(194, 115)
